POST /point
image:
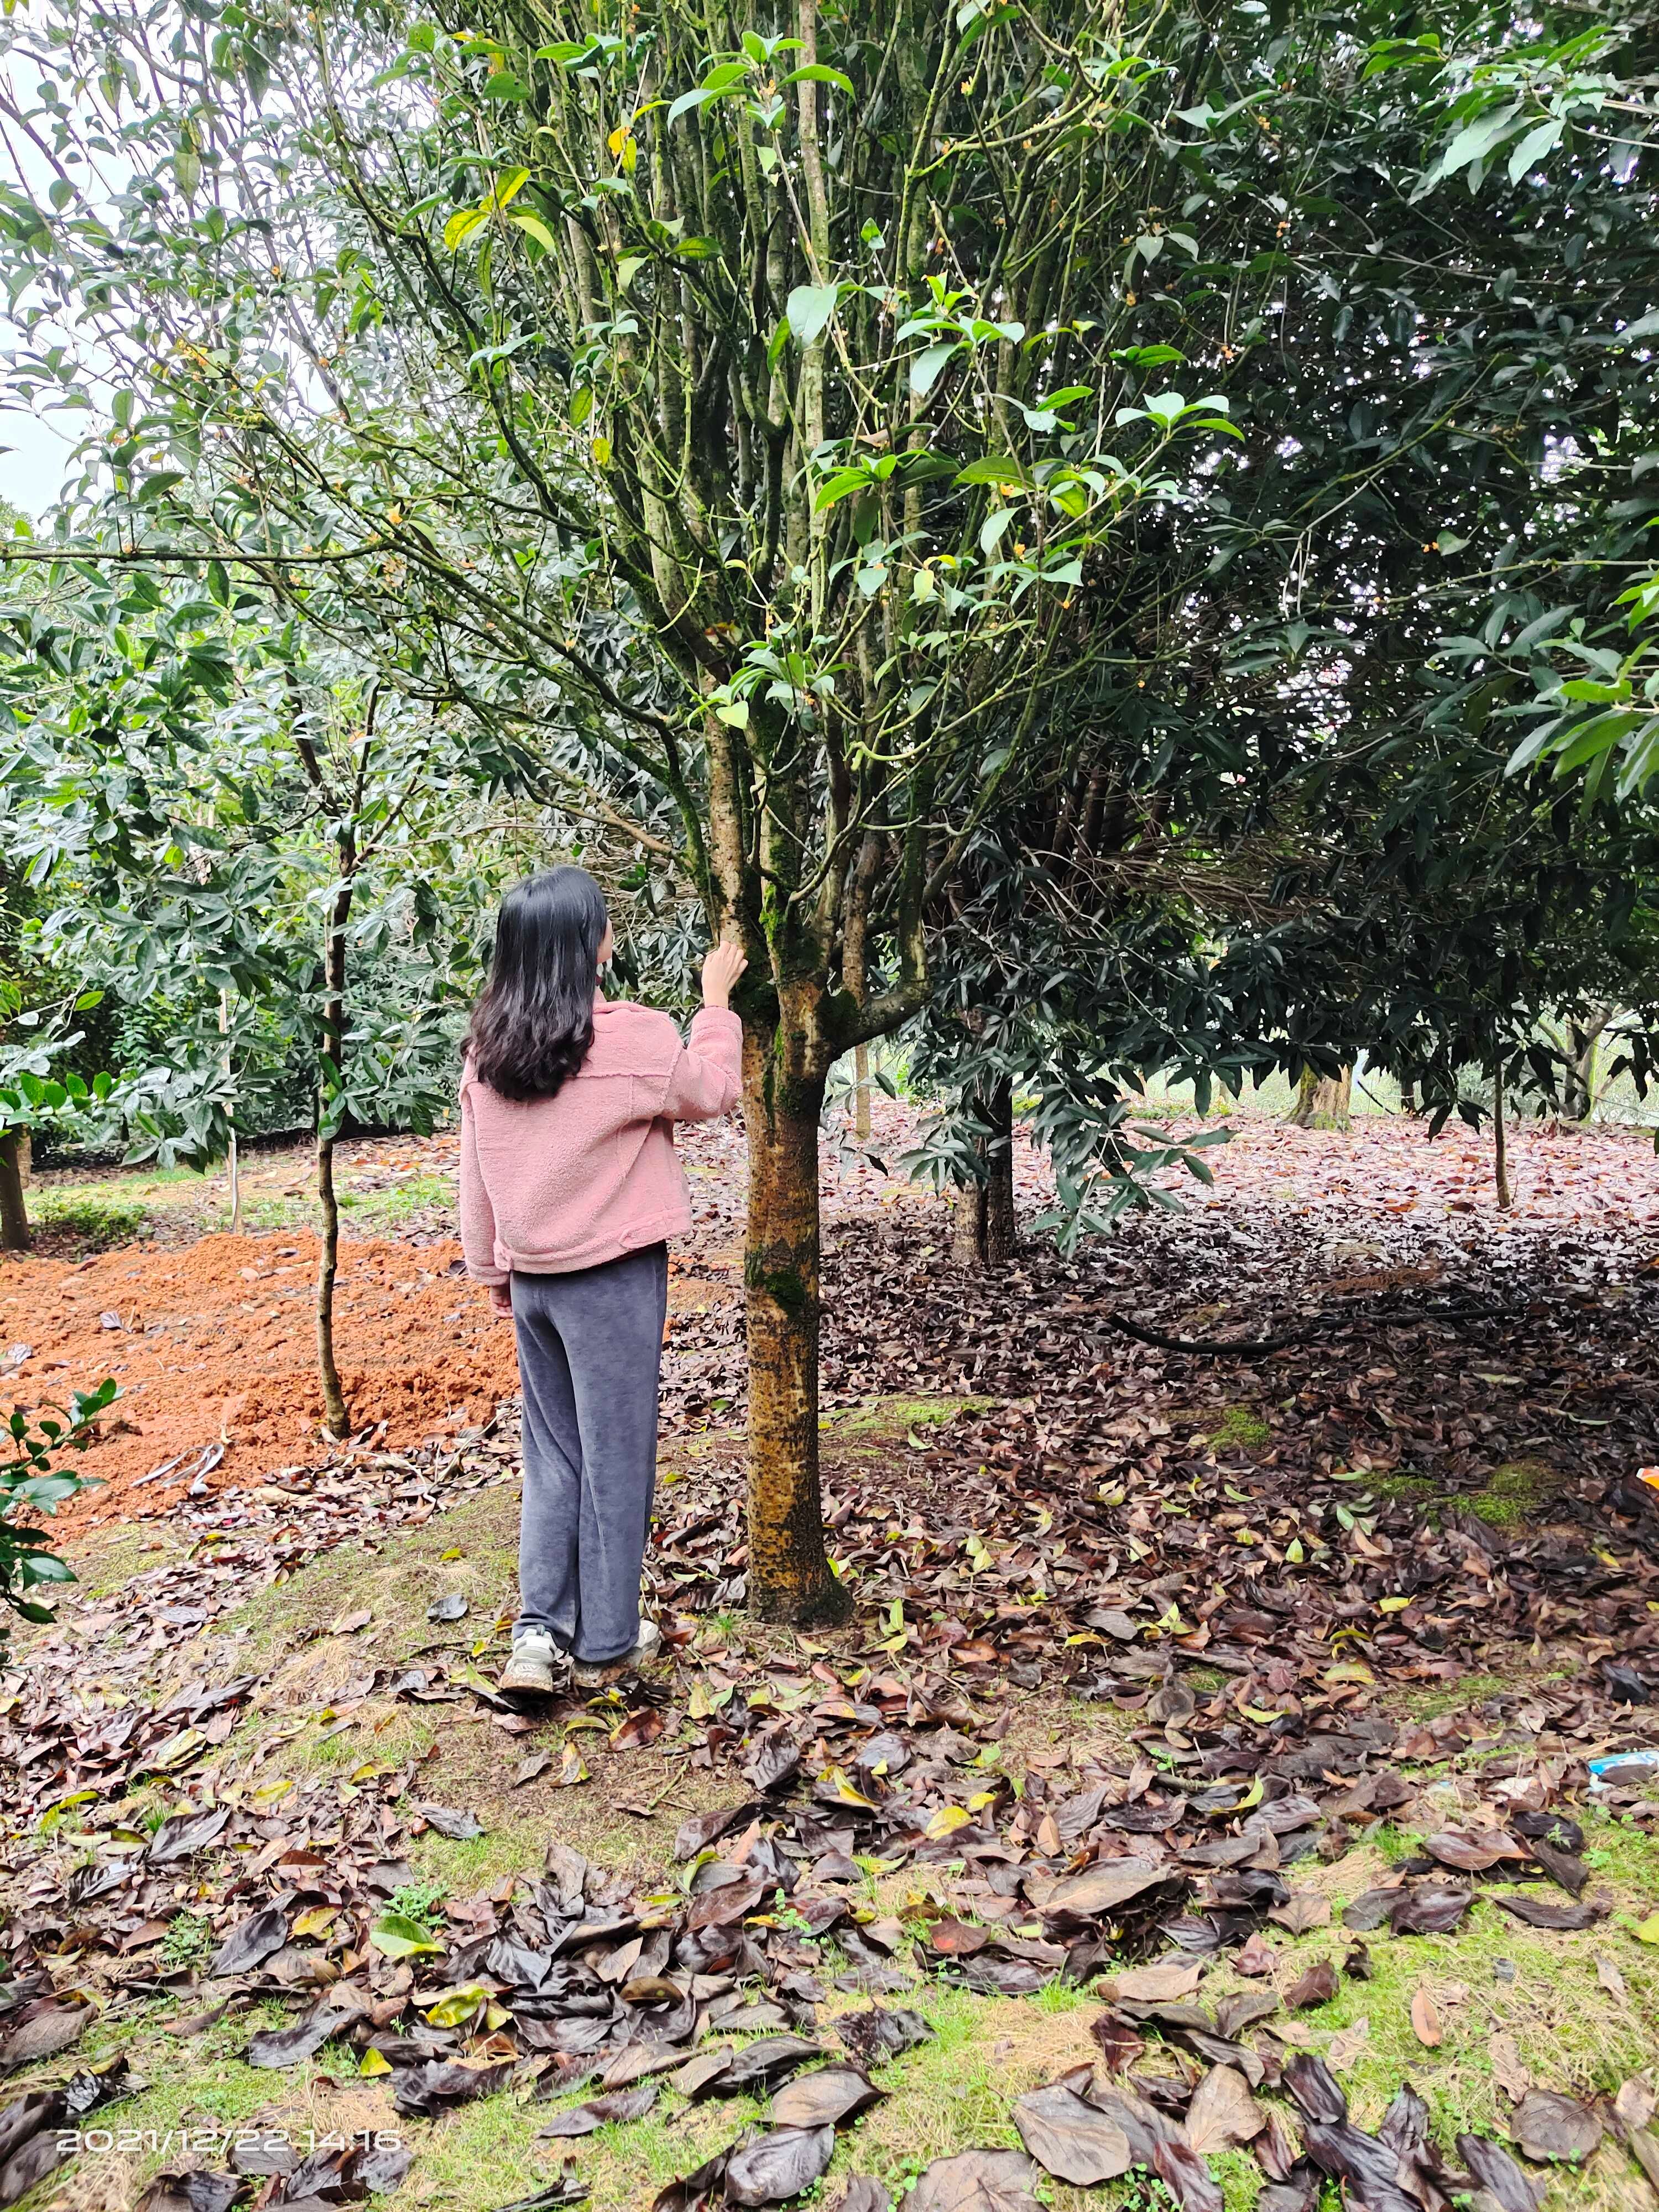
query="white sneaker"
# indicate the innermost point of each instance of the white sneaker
(535, 1665)
(593, 1677)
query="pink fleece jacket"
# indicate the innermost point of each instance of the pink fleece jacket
(549, 1185)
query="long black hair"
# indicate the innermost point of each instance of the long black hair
(532, 1029)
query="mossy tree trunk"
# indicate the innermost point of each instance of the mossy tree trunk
(789, 1575)
(1323, 1102)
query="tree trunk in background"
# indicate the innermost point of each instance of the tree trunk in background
(861, 1094)
(1323, 1102)
(13, 1214)
(984, 1226)
(1500, 1147)
(788, 1570)
(1578, 1092)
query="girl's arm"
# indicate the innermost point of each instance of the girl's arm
(707, 1078)
(477, 1215)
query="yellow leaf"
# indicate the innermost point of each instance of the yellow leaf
(536, 228)
(317, 1922)
(846, 1792)
(1647, 1931)
(374, 2063)
(459, 2005)
(1349, 1670)
(270, 1792)
(1392, 1604)
(177, 1750)
(946, 1822)
(571, 1769)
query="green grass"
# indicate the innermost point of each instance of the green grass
(386, 1209)
(1517, 1493)
(893, 1417)
(1240, 1424)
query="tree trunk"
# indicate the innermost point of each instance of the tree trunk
(1578, 1092)
(789, 1576)
(861, 1094)
(13, 1214)
(1323, 1102)
(984, 1223)
(233, 1165)
(1500, 1147)
(337, 1419)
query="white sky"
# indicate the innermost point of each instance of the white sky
(32, 466)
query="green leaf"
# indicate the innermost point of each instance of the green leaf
(991, 529)
(1534, 147)
(461, 226)
(536, 228)
(926, 368)
(809, 308)
(820, 73)
(995, 468)
(395, 1935)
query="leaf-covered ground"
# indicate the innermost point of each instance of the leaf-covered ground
(1209, 1759)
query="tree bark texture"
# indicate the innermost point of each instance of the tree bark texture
(984, 1224)
(861, 1093)
(1323, 1102)
(789, 1575)
(14, 1235)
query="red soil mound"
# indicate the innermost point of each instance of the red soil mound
(214, 1344)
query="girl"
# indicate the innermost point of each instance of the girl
(569, 1187)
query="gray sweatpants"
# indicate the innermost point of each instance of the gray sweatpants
(590, 1350)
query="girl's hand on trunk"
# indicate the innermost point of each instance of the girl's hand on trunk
(722, 965)
(501, 1301)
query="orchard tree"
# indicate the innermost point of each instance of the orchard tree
(643, 383)
(774, 421)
